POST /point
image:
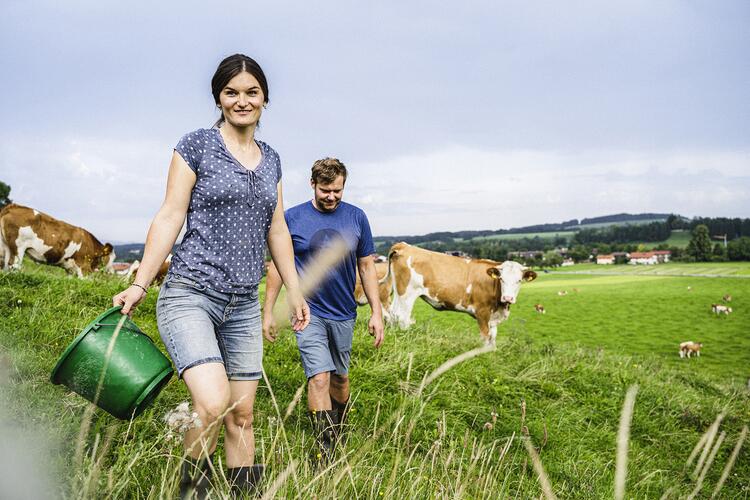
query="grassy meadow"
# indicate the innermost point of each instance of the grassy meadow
(556, 382)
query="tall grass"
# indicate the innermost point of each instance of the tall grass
(433, 416)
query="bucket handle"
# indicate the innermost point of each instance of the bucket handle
(136, 330)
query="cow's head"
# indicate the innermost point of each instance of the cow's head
(510, 274)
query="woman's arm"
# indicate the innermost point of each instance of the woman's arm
(282, 253)
(163, 232)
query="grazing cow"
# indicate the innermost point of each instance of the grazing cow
(562, 292)
(727, 298)
(482, 288)
(688, 348)
(50, 241)
(381, 269)
(718, 309)
(160, 274)
(539, 308)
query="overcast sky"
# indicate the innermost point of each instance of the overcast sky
(449, 115)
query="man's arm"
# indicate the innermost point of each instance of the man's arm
(369, 278)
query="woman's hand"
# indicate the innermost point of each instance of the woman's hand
(298, 310)
(129, 298)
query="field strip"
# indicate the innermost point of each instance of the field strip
(652, 274)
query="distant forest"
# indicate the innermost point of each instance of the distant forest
(620, 232)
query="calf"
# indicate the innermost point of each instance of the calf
(690, 347)
(482, 288)
(539, 308)
(50, 241)
(727, 298)
(381, 269)
(160, 274)
(718, 309)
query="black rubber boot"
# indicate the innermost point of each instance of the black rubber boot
(195, 477)
(324, 423)
(245, 481)
(342, 411)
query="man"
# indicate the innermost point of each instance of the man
(325, 344)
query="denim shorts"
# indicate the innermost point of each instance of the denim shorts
(200, 325)
(326, 346)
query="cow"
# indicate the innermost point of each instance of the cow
(539, 308)
(562, 293)
(718, 309)
(381, 269)
(47, 240)
(727, 298)
(160, 274)
(482, 288)
(690, 347)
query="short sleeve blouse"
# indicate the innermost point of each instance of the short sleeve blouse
(229, 215)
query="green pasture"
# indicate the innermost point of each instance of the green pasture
(518, 236)
(556, 380)
(642, 316)
(698, 269)
(679, 238)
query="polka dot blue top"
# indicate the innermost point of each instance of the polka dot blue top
(229, 214)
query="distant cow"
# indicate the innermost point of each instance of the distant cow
(539, 308)
(562, 292)
(381, 269)
(160, 274)
(50, 241)
(482, 288)
(718, 309)
(727, 298)
(688, 348)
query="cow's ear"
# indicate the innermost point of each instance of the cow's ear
(494, 273)
(529, 275)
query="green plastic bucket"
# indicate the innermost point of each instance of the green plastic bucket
(135, 374)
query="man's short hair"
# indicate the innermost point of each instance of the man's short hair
(326, 171)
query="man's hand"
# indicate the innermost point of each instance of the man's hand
(270, 328)
(375, 327)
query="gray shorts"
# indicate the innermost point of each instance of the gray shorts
(200, 325)
(326, 346)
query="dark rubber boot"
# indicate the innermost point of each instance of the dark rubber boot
(246, 481)
(342, 411)
(195, 477)
(324, 423)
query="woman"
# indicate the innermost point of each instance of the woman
(229, 186)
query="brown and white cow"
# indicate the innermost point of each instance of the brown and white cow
(160, 274)
(482, 288)
(539, 308)
(688, 348)
(381, 269)
(47, 240)
(718, 309)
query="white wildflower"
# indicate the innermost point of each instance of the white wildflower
(180, 420)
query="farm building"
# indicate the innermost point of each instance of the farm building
(605, 259)
(650, 258)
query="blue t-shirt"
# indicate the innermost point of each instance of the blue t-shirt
(311, 230)
(229, 216)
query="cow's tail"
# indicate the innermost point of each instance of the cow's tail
(387, 280)
(392, 253)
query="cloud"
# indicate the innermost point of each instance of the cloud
(461, 188)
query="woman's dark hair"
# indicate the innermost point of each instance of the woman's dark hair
(231, 67)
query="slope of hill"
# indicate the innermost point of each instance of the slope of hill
(557, 381)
